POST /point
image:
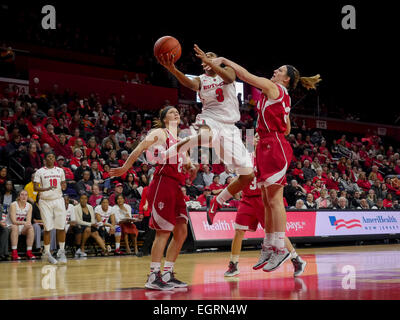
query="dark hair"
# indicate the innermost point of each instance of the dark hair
(119, 195)
(48, 153)
(104, 198)
(159, 123)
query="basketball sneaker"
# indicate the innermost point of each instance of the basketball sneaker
(61, 256)
(299, 265)
(117, 252)
(49, 258)
(30, 255)
(79, 253)
(156, 282)
(212, 210)
(265, 255)
(277, 258)
(15, 256)
(233, 269)
(169, 278)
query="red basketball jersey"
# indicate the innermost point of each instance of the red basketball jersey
(174, 166)
(272, 114)
(251, 190)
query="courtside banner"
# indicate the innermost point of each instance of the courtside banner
(299, 224)
(343, 223)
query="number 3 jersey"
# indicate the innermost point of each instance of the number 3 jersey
(50, 178)
(219, 99)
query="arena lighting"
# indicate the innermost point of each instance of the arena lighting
(239, 87)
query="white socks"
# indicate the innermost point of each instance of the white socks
(269, 240)
(47, 248)
(224, 196)
(279, 240)
(155, 266)
(117, 244)
(168, 266)
(62, 245)
(235, 258)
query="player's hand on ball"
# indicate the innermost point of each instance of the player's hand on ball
(167, 61)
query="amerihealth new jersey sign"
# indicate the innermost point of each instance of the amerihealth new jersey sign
(343, 223)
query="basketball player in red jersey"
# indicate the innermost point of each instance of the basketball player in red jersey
(165, 198)
(273, 151)
(216, 123)
(251, 211)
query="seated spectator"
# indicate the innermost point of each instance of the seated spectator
(71, 226)
(308, 172)
(355, 201)
(364, 205)
(19, 222)
(119, 189)
(299, 205)
(207, 175)
(84, 186)
(112, 159)
(333, 198)
(76, 136)
(323, 200)
(310, 203)
(215, 186)
(191, 190)
(78, 174)
(388, 201)
(199, 182)
(31, 160)
(87, 226)
(228, 181)
(123, 217)
(120, 136)
(224, 175)
(293, 192)
(363, 182)
(9, 195)
(332, 181)
(203, 197)
(316, 191)
(75, 162)
(96, 196)
(185, 196)
(342, 204)
(308, 186)
(4, 236)
(107, 224)
(319, 176)
(130, 187)
(62, 128)
(95, 173)
(371, 198)
(298, 172)
(379, 204)
(3, 179)
(305, 156)
(49, 137)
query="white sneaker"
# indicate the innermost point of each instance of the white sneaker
(49, 258)
(169, 278)
(265, 255)
(61, 256)
(276, 260)
(156, 282)
(79, 253)
(299, 265)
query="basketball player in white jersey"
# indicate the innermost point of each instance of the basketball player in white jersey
(19, 222)
(48, 181)
(216, 123)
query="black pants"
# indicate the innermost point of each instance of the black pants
(4, 236)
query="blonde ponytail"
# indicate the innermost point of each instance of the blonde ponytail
(310, 82)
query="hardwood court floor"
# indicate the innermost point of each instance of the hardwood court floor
(356, 272)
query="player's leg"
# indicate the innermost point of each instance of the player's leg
(60, 218)
(14, 234)
(47, 215)
(236, 248)
(117, 236)
(275, 201)
(134, 241)
(29, 232)
(85, 236)
(96, 236)
(173, 250)
(154, 280)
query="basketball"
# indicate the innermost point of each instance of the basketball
(167, 45)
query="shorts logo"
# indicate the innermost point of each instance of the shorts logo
(160, 205)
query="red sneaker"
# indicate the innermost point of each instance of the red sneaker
(14, 255)
(118, 252)
(212, 210)
(30, 255)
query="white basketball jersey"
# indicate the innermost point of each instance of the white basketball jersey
(219, 99)
(20, 213)
(120, 214)
(50, 177)
(105, 215)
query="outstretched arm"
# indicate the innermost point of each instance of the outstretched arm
(168, 63)
(155, 137)
(227, 73)
(268, 88)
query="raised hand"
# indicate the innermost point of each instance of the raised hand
(167, 61)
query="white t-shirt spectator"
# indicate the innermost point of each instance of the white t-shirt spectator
(208, 178)
(120, 214)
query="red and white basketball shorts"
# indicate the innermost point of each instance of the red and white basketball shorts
(250, 213)
(273, 156)
(166, 203)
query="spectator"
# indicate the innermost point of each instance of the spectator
(199, 182)
(364, 205)
(299, 205)
(207, 175)
(222, 177)
(371, 198)
(191, 190)
(355, 202)
(130, 187)
(94, 199)
(342, 204)
(203, 197)
(62, 148)
(215, 186)
(123, 216)
(144, 210)
(323, 200)
(379, 204)
(75, 162)
(87, 226)
(95, 173)
(3, 179)
(185, 196)
(308, 172)
(31, 160)
(310, 203)
(119, 189)
(32, 194)
(293, 192)
(298, 173)
(363, 182)
(78, 174)
(71, 227)
(316, 191)
(120, 136)
(84, 186)
(388, 201)
(333, 198)
(9, 195)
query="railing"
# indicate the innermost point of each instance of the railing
(17, 170)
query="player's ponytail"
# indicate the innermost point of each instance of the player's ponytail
(306, 82)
